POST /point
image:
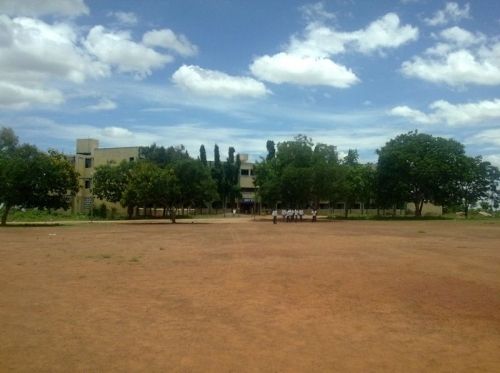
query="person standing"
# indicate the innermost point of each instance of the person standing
(275, 216)
(314, 213)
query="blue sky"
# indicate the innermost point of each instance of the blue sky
(237, 73)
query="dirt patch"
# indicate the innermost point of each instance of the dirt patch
(341, 296)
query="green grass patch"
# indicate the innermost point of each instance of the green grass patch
(35, 215)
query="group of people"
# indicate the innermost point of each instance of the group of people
(292, 215)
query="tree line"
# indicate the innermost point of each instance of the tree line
(169, 179)
(413, 167)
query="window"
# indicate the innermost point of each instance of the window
(88, 162)
(131, 159)
(251, 172)
(244, 172)
(87, 184)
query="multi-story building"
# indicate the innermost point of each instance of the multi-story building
(88, 156)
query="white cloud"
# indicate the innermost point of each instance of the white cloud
(316, 11)
(451, 13)
(13, 96)
(34, 53)
(494, 159)
(411, 114)
(35, 8)
(35, 49)
(457, 59)
(167, 39)
(125, 18)
(103, 104)
(116, 132)
(453, 115)
(290, 68)
(322, 41)
(461, 37)
(385, 32)
(307, 59)
(216, 83)
(117, 49)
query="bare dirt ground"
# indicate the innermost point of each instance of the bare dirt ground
(342, 296)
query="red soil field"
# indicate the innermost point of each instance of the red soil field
(218, 296)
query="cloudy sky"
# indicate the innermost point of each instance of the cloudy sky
(352, 73)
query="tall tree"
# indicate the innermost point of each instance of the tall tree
(420, 168)
(8, 139)
(477, 181)
(203, 155)
(271, 150)
(218, 175)
(325, 172)
(288, 176)
(198, 186)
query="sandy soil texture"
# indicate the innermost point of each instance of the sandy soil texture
(342, 296)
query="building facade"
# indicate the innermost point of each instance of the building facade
(88, 156)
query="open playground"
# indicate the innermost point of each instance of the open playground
(237, 295)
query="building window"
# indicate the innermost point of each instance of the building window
(88, 162)
(251, 172)
(131, 159)
(87, 184)
(244, 172)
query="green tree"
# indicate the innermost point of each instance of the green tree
(418, 167)
(287, 177)
(8, 139)
(33, 179)
(325, 173)
(203, 156)
(162, 156)
(271, 150)
(268, 181)
(110, 182)
(476, 181)
(217, 173)
(231, 171)
(197, 185)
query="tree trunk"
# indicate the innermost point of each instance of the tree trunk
(4, 215)
(172, 214)
(419, 204)
(466, 210)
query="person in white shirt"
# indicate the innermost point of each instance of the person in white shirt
(275, 216)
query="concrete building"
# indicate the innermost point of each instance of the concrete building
(247, 202)
(89, 156)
